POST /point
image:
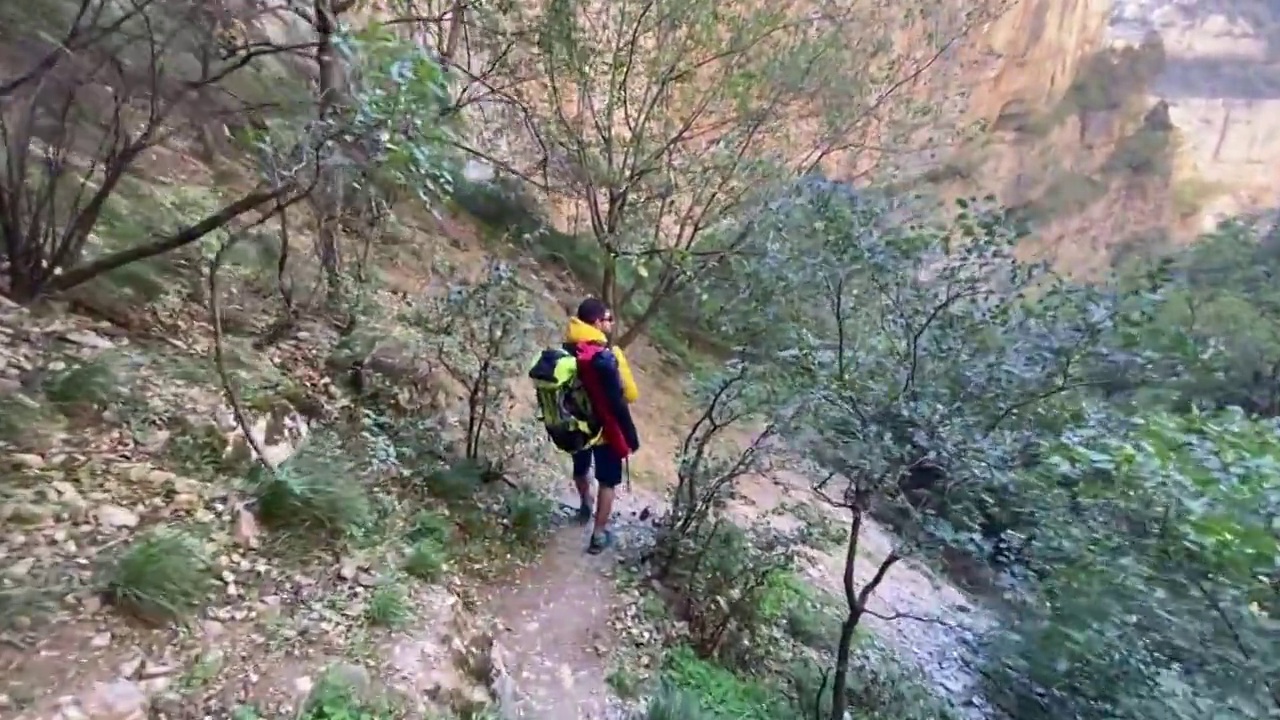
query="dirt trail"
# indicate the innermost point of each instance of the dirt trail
(553, 621)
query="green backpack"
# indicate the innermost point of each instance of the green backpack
(563, 406)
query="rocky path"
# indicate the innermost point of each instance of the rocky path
(553, 625)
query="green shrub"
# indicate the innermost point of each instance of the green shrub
(427, 560)
(673, 703)
(339, 698)
(430, 525)
(389, 606)
(720, 693)
(92, 384)
(458, 482)
(319, 488)
(529, 515)
(163, 576)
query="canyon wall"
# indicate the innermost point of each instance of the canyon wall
(1115, 124)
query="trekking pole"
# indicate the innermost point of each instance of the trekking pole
(627, 462)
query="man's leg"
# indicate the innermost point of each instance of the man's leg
(609, 477)
(582, 481)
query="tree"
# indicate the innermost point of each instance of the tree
(1218, 334)
(81, 117)
(1156, 594)
(718, 573)
(931, 359)
(664, 123)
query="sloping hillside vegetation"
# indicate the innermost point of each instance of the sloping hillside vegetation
(267, 445)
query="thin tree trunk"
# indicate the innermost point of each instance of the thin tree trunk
(660, 295)
(856, 600)
(840, 681)
(326, 24)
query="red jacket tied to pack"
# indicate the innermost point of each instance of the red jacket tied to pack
(602, 400)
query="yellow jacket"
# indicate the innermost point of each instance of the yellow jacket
(580, 332)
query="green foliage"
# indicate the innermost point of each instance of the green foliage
(716, 692)
(163, 576)
(813, 623)
(427, 560)
(481, 334)
(529, 515)
(92, 384)
(674, 703)
(399, 112)
(1157, 566)
(756, 69)
(458, 481)
(1215, 340)
(1113, 78)
(389, 606)
(430, 526)
(319, 489)
(24, 423)
(337, 698)
(624, 682)
(882, 687)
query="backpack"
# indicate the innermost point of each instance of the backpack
(563, 406)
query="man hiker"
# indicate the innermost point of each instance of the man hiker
(606, 377)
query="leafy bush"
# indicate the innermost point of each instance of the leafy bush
(430, 525)
(163, 576)
(337, 697)
(529, 515)
(427, 560)
(1158, 554)
(717, 692)
(319, 488)
(458, 481)
(89, 385)
(673, 703)
(481, 334)
(389, 606)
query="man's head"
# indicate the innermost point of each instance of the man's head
(595, 313)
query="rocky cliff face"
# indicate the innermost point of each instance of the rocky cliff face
(1122, 122)
(1221, 79)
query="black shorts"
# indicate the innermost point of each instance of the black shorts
(608, 465)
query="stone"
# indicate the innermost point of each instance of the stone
(100, 641)
(65, 490)
(185, 501)
(24, 513)
(157, 669)
(117, 700)
(129, 668)
(302, 686)
(116, 516)
(88, 339)
(245, 529)
(350, 675)
(160, 477)
(212, 629)
(27, 461)
(20, 569)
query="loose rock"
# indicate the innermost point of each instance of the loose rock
(116, 516)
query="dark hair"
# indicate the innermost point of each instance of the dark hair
(592, 310)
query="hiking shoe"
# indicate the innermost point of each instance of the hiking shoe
(599, 542)
(584, 513)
